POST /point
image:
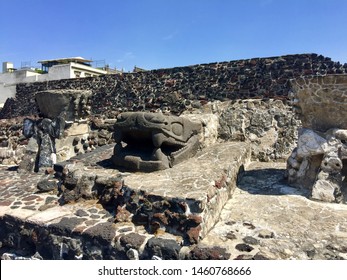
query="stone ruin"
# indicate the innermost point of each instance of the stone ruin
(319, 162)
(61, 121)
(144, 141)
(163, 181)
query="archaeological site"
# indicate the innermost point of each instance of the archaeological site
(239, 160)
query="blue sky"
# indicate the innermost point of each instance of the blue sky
(156, 34)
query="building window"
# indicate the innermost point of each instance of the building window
(77, 74)
(88, 75)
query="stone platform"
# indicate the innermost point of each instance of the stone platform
(267, 218)
(169, 209)
(264, 219)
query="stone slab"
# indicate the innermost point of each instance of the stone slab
(22, 214)
(264, 219)
(49, 215)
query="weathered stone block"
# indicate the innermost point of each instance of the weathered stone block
(69, 104)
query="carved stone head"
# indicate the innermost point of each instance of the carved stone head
(153, 141)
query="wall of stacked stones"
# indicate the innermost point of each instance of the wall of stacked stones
(270, 126)
(181, 88)
(255, 92)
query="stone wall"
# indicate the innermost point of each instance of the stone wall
(269, 125)
(12, 141)
(182, 88)
(319, 160)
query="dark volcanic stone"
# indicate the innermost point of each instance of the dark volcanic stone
(66, 225)
(69, 196)
(29, 207)
(104, 233)
(208, 253)
(259, 256)
(244, 247)
(140, 218)
(166, 249)
(81, 213)
(102, 142)
(126, 229)
(47, 185)
(310, 253)
(248, 225)
(46, 149)
(132, 240)
(231, 235)
(95, 216)
(244, 257)
(230, 223)
(194, 234)
(122, 215)
(75, 141)
(250, 240)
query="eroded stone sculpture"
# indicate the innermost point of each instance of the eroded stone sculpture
(69, 104)
(319, 162)
(42, 134)
(153, 141)
(59, 110)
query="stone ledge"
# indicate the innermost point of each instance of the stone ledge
(195, 190)
(185, 200)
(201, 185)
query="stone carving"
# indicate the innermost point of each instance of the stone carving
(59, 110)
(153, 141)
(319, 160)
(41, 147)
(317, 163)
(70, 104)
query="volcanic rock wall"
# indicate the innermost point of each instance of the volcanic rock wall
(269, 125)
(181, 88)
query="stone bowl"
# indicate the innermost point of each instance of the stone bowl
(62, 102)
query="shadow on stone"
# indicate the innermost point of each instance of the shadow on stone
(106, 163)
(268, 181)
(13, 168)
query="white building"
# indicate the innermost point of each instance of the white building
(67, 68)
(53, 69)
